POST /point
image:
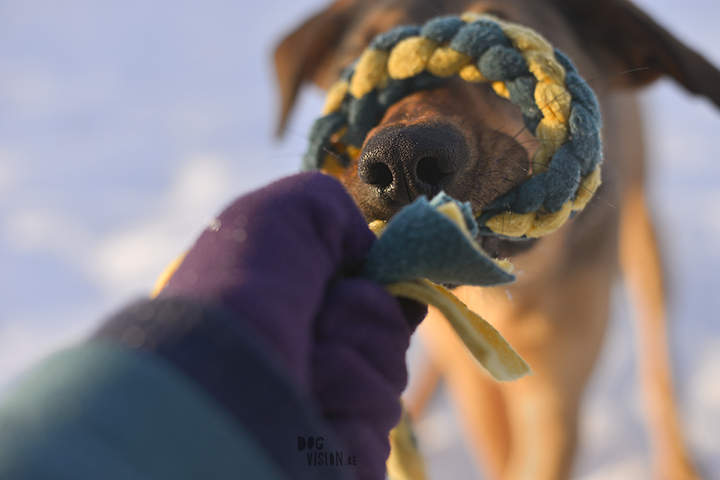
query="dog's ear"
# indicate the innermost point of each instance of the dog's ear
(634, 41)
(306, 53)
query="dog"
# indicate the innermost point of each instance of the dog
(556, 314)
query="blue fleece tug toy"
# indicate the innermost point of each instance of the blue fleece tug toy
(428, 243)
(556, 103)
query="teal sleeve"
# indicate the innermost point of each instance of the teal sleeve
(99, 411)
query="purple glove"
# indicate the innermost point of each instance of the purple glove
(283, 258)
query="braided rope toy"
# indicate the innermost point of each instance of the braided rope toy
(556, 103)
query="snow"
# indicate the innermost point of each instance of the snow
(127, 125)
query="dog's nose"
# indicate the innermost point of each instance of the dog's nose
(402, 163)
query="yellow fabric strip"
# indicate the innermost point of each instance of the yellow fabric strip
(588, 187)
(410, 57)
(370, 70)
(164, 277)
(405, 461)
(485, 343)
(335, 96)
(446, 62)
(331, 166)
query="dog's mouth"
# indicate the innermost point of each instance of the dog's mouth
(499, 247)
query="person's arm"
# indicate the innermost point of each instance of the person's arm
(266, 321)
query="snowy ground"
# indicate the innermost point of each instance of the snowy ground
(125, 125)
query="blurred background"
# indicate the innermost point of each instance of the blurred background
(126, 125)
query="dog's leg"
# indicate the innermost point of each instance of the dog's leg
(556, 320)
(559, 335)
(475, 395)
(424, 380)
(642, 270)
(527, 429)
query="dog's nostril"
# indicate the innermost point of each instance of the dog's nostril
(402, 162)
(429, 172)
(379, 175)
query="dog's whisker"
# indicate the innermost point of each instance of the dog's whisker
(514, 137)
(512, 182)
(602, 77)
(336, 155)
(532, 140)
(509, 209)
(297, 134)
(499, 129)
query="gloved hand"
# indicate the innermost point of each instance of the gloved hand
(282, 259)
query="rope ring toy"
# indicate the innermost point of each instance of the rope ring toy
(522, 66)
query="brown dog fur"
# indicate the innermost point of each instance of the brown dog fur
(557, 311)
